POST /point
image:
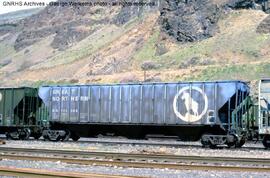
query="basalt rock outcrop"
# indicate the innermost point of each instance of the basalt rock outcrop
(136, 10)
(189, 20)
(193, 20)
(68, 25)
(183, 20)
(72, 24)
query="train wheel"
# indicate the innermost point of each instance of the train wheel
(74, 137)
(67, 136)
(46, 138)
(37, 135)
(58, 138)
(12, 135)
(233, 141)
(213, 146)
(231, 144)
(266, 141)
(205, 143)
(7, 136)
(241, 143)
(24, 134)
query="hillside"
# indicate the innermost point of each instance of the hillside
(196, 40)
(14, 17)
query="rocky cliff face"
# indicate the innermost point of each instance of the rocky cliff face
(189, 20)
(128, 12)
(184, 20)
(193, 20)
(103, 44)
(68, 25)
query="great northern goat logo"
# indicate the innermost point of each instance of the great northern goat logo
(191, 105)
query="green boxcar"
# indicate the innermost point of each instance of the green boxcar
(22, 113)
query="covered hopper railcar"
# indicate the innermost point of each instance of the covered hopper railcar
(193, 110)
(264, 111)
(20, 110)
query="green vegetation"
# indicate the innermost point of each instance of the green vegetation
(247, 43)
(176, 55)
(90, 45)
(183, 52)
(236, 51)
(148, 50)
(233, 72)
(233, 43)
(47, 82)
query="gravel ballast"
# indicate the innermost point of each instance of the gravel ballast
(145, 172)
(91, 144)
(195, 150)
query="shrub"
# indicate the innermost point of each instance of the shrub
(148, 65)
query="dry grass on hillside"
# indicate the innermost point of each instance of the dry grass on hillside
(116, 54)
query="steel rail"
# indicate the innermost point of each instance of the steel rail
(139, 160)
(128, 142)
(40, 173)
(134, 156)
(176, 166)
(157, 143)
(154, 143)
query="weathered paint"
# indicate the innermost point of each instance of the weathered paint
(17, 105)
(150, 103)
(264, 106)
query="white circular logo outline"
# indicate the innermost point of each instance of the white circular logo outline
(179, 115)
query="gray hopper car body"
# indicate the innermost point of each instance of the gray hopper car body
(179, 106)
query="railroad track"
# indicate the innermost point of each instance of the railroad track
(161, 143)
(143, 142)
(138, 160)
(153, 143)
(38, 173)
(128, 142)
